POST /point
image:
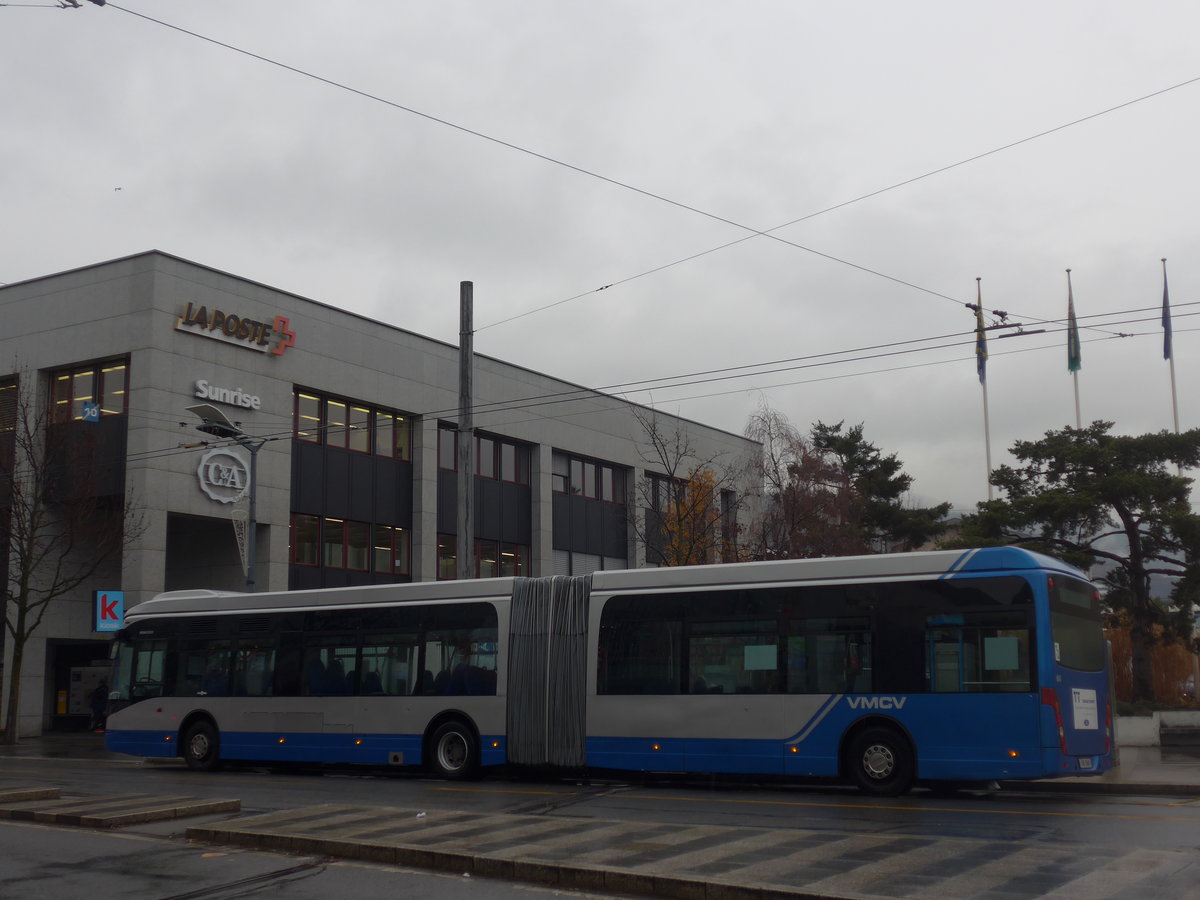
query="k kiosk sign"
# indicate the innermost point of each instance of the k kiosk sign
(108, 610)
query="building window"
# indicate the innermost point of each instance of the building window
(570, 562)
(359, 435)
(588, 478)
(392, 435)
(493, 559)
(496, 458)
(333, 542)
(335, 423)
(346, 544)
(305, 530)
(448, 449)
(513, 559)
(665, 493)
(8, 405)
(496, 559)
(358, 546)
(308, 417)
(74, 391)
(350, 425)
(485, 457)
(447, 557)
(392, 551)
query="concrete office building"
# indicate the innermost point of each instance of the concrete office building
(352, 426)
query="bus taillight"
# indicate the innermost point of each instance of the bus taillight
(1050, 699)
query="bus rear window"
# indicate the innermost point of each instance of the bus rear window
(1075, 624)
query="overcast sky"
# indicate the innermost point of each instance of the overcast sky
(706, 121)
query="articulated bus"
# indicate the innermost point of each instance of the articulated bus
(946, 667)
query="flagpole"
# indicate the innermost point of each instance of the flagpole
(1073, 348)
(987, 441)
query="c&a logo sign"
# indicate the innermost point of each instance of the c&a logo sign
(224, 475)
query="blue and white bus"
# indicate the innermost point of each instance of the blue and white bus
(940, 667)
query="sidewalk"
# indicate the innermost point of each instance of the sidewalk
(1154, 770)
(1141, 770)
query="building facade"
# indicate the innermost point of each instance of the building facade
(349, 427)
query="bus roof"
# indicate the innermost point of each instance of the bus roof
(886, 566)
(928, 564)
(192, 602)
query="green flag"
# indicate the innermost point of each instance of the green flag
(1073, 360)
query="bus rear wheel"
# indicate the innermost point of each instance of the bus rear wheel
(202, 746)
(881, 762)
(453, 751)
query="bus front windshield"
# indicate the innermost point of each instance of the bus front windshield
(1075, 624)
(137, 668)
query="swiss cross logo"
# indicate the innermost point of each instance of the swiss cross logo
(286, 338)
(108, 608)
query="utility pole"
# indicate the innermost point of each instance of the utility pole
(465, 561)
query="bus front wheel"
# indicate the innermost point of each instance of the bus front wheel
(881, 762)
(453, 753)
(202, 746)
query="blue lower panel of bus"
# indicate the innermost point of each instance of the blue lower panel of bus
(155, 744)
(749, 757)
(335, 749)
(765, 757)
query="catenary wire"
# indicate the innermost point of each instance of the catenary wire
(596, 395)
(656, 383)
(754, 232)
(165, 453)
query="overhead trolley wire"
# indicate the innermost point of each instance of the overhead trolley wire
(753, 232)
(595, 395)
(613, 392)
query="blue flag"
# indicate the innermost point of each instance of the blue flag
(1166, 316)
(980, 337)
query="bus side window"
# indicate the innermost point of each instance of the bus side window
(739, 657)
(829, 656)
(389, 664)
(254, 672)
(967, 654)
(288, 666)
(203, 669)
(641, 657)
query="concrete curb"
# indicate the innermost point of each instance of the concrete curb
(557, 875)
(1131, 788)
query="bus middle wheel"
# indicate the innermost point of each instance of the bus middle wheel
(453, 751)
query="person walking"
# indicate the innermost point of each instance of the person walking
(99, 703)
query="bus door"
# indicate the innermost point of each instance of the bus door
(1077, 692)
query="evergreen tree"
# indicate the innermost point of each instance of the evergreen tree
(1110, 501)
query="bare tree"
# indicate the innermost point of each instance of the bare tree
(832, 493)
(58, 532)
(808, 501)
(689, 503)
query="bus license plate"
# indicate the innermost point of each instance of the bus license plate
(1085, 763)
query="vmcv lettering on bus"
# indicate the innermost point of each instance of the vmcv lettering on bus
(877, 702)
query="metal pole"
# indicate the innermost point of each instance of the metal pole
(465, 562)
(987, 441)
(1079, 421)
(252, 517)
